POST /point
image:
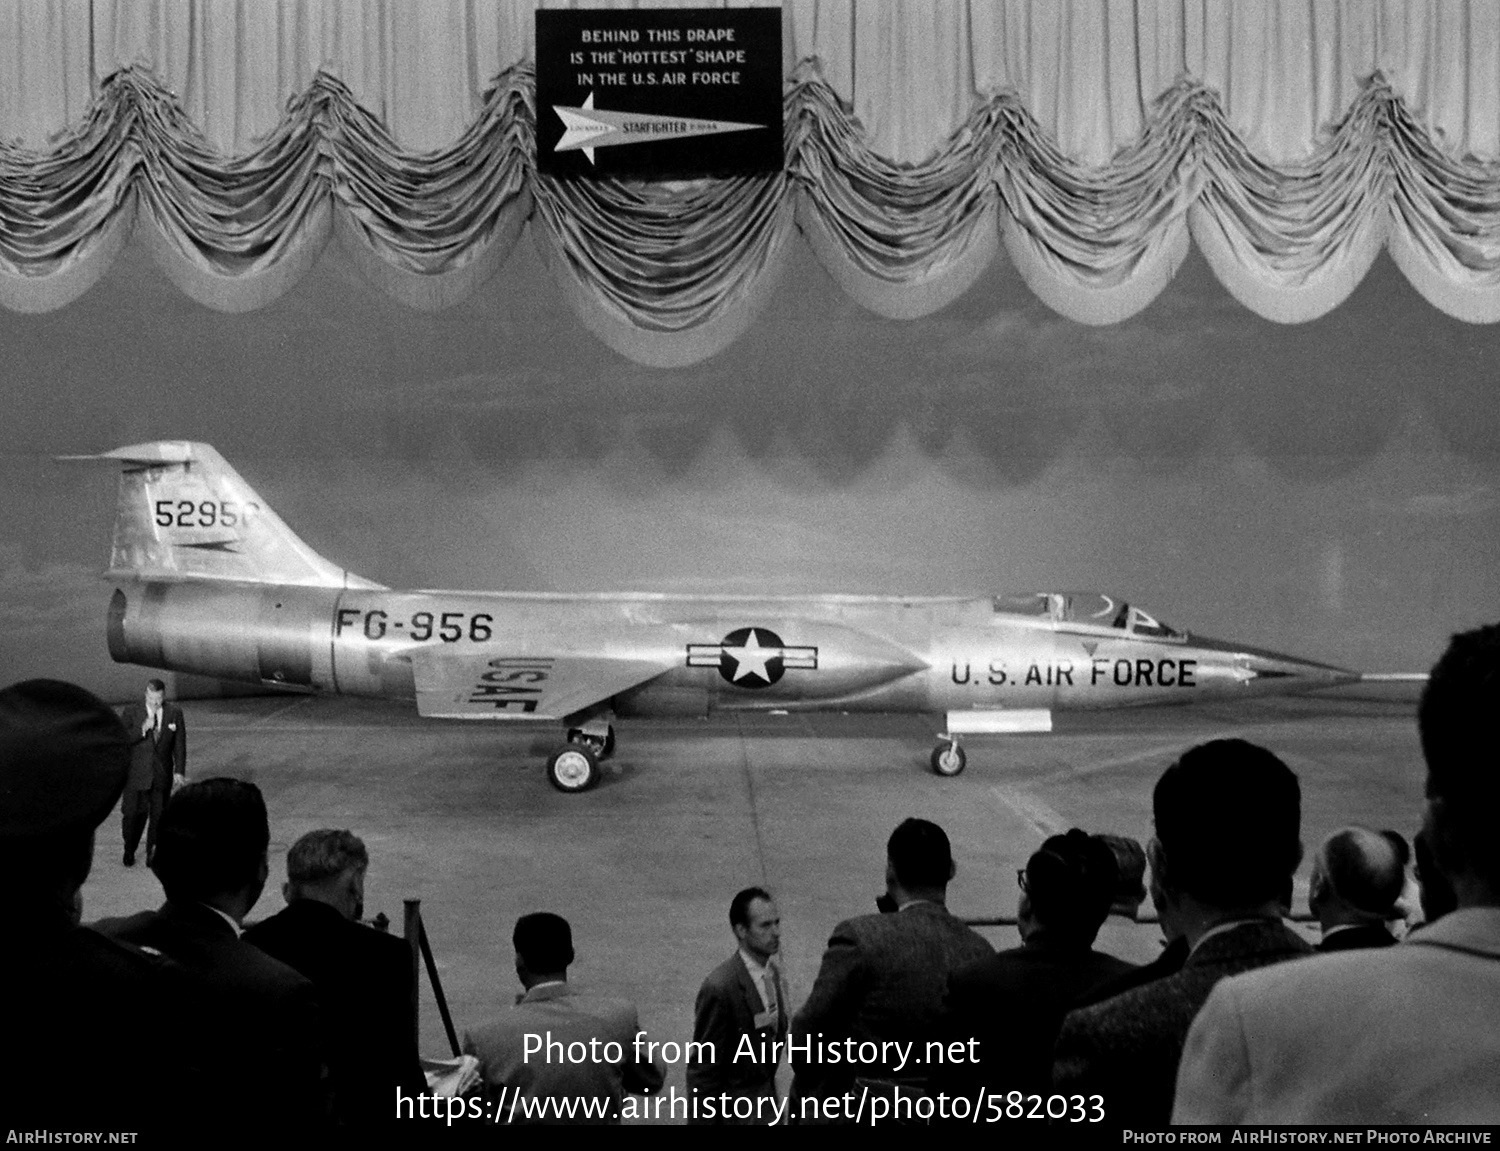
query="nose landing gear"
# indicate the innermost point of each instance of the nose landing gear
(948, 757)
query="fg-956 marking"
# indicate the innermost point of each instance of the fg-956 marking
(421, 626)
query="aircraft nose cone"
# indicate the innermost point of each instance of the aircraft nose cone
(1271, 672)
(1270, 669)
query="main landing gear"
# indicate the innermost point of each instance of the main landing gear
(947, 757)
(575, 766)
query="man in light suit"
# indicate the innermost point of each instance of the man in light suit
(560, 1055)
(883, 976)
(1227, 818)
(1404, 1034)
(741, 1016)
(1357, 877)
(158, 763)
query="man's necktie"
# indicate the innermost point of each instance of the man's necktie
(768, 985)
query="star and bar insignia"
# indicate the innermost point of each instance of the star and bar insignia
(751, 657)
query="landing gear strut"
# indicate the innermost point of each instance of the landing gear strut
(947, 757)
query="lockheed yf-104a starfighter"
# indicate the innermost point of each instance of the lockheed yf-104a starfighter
(209, 580)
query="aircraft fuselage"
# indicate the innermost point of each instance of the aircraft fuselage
(870, 653)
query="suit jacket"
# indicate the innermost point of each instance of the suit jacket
(1126, 1048)
(364, 982)
(883, 976)
(728, 1003)
(155, 757)
(1357, 938)
(1404, 1034)
(257, 1020)
(565, 1015)
(90, 1032)
(1169, 962)
(1013, 1003)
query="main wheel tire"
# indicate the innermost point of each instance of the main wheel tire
(609, 743)
(948, 759)
(573, 768)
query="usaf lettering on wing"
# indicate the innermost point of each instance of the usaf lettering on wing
(512, 683)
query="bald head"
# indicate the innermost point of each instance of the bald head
(1358, 875)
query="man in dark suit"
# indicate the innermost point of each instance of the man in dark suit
(259, 1020)
(883, 978)
(1227, 818)
(90, 1032)
(363, 977)
(1013, 1003)
(158, 763)
(1408, 1034)
(740, 1017)
(525, 1081)
(1357, 877)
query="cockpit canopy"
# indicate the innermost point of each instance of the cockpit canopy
(1090, 609)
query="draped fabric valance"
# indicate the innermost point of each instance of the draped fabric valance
(1289, 141)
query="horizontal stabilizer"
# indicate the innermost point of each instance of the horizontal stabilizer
(492, 685)
(142, 455)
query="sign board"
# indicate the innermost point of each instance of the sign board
(665, 93)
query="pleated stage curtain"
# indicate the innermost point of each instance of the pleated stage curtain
(1091, 140)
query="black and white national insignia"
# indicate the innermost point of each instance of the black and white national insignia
(751, 657)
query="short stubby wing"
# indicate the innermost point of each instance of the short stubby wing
(493, 685)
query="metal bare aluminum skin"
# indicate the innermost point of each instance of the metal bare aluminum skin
(207, 579)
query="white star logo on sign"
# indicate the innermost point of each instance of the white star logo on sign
(587, 128)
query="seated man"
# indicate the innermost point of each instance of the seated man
(363, 977)
(525, 1080)
(259, 1025)
(1357, 877)
(1403, 1034)
(1227, 818)
(1014, 1002)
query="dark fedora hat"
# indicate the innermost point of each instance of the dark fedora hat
(64, 756)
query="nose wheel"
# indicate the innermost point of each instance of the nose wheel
(948, 757)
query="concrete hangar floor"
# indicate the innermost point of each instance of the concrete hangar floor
(462, 817)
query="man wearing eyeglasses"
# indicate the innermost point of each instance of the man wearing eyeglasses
(1014, 1002)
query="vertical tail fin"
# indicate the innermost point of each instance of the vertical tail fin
(184, 513)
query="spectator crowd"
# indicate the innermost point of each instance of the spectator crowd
(184, 1015)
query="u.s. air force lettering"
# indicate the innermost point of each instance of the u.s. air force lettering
(204, 584)
(751, 657)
